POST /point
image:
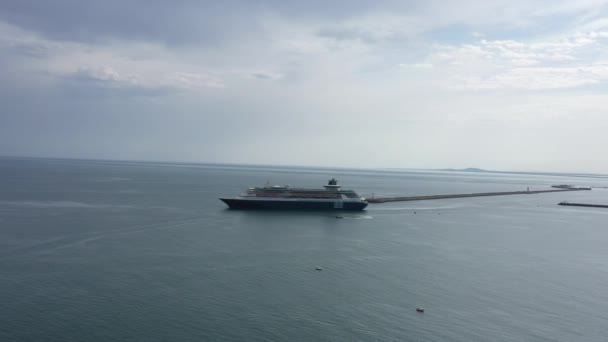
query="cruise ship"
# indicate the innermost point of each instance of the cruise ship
(331, 197)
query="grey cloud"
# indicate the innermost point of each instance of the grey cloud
(87, 85)
(267, 75)
(29, 50)
(344, 33)
(91, 21)
(214, 23)
(173, 23)
(262, 76)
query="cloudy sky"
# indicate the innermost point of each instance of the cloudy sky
(511, 85)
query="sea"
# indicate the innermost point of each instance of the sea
(131, 251)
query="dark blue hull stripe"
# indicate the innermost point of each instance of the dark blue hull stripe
(234, 203)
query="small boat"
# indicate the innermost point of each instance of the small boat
(420, 309)
(319, 268)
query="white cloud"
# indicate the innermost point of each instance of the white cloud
(575, 60)
(539, 78)
(420, 66)
(143, 65)
(102, 74)
(189, 80)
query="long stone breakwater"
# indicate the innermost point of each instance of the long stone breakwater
(584, 205)
(479, 194)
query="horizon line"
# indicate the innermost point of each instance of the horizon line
(467, 169)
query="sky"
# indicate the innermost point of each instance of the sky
(503, 85)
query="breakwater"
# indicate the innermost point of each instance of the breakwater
(479, 194)
(584, 205)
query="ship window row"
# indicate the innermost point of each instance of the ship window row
(351, 195)
(299, 195)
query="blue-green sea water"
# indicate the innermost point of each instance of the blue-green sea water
(114, 251)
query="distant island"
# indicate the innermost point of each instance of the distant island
(474, 169)
(468, 169)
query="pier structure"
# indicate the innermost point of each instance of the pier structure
(583, 205)
(479, 194)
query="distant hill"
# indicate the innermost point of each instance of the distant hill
(474, 169)
(468, 169)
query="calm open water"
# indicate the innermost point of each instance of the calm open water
(102, 251)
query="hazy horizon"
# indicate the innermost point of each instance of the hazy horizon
(330, 167)
(501, 85)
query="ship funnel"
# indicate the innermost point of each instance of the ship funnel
(332, 184)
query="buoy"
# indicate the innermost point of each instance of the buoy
(420, 309)
(319, 269)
